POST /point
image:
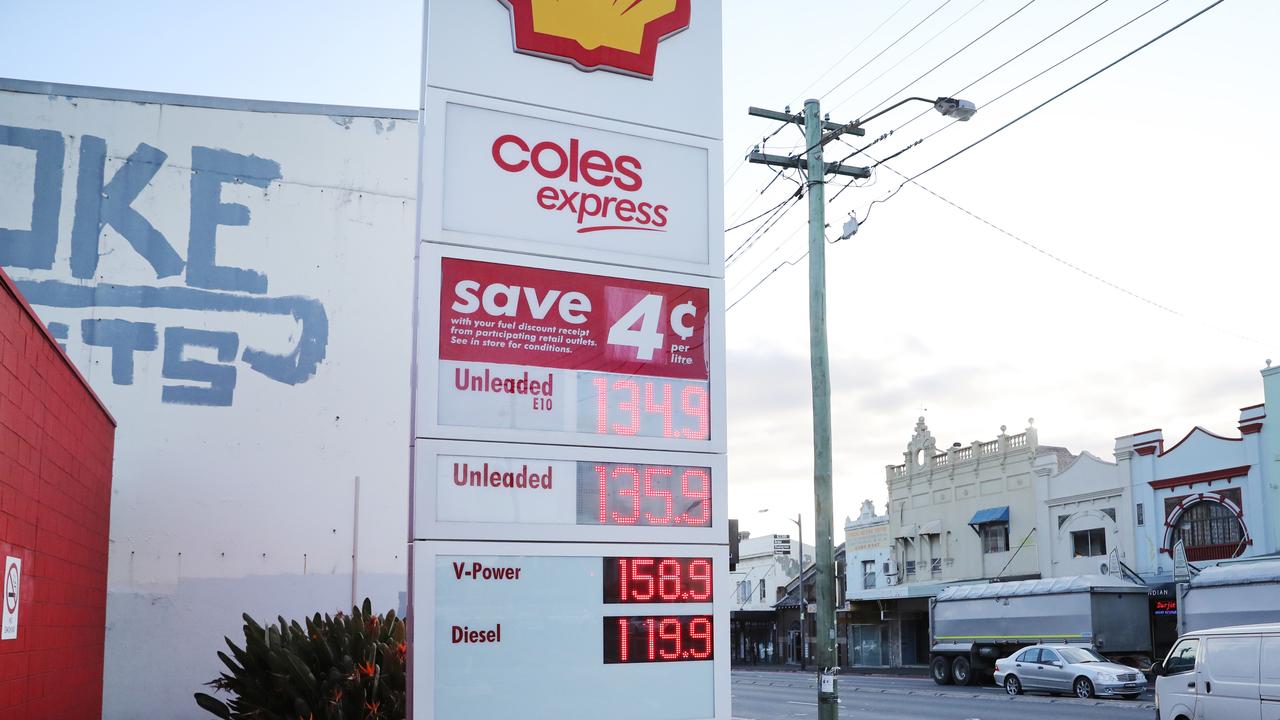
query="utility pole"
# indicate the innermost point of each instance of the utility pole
(816, 170)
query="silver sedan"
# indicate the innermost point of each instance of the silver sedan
(1078, 670)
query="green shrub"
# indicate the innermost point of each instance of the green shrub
(337, 668)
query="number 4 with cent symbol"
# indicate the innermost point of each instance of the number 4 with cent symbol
(646, 338)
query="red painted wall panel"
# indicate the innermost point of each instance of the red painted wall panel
(56, 444)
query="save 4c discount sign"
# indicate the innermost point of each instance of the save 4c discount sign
(569, 495)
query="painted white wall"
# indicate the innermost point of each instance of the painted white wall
(758, 563)
(866, 539)
(1088, 494)
(243, 498)
(942, 491)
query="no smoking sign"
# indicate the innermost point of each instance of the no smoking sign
(9, 604)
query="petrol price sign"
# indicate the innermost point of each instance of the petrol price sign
(557, 355)
(609, 625)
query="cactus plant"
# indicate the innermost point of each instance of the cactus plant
(345, 667)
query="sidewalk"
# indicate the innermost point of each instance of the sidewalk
(795, 669)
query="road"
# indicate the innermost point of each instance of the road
(765, 695)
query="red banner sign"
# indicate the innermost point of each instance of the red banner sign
(528, 316)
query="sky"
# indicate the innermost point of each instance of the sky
(1127, 285)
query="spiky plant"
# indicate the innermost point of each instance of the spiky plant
(345, 667)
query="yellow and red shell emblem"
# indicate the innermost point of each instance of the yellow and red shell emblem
(617, 35)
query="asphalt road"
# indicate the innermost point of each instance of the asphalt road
(764, 695)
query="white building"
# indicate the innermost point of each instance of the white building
(867, 553)
(965, 514)
(1086, 517)
(765, 565)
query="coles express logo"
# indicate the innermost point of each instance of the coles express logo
(596, 209)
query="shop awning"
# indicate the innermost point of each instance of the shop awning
(933, 527)
(907, 531)
(989, 515)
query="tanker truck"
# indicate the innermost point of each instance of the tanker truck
(972, 626)
(1233, 592)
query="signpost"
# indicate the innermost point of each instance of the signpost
(781, 544)
(568, 502)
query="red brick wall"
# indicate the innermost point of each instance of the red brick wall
(56, 443)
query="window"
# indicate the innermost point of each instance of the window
(761, 589)
(744, 591)
(1142, 520)
(911, 568)
(1089, 543)
(1209, 530)
(1049, 656)
(995, 537)
(1182, 658)
(1028, 656)
(868, 574)
(935, 567)
(1075, 655)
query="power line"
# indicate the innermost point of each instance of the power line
(764, 230)
(888, 47)
(800, 95)
(1026, 114)
(766, 212)
(950, 57)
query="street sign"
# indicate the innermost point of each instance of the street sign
(634, 631)
(10, 603)
(781, 544)
(566, 352)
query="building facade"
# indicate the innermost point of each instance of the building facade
(867, 553)
(766, 564)
(964, 514)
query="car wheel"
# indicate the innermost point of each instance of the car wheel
(940, 669)
(1083, 687)
(1012, 685)
(961, 671)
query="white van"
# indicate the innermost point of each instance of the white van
(1230, 673)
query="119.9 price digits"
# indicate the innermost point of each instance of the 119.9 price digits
(657, 638)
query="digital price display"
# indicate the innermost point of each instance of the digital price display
(632, 494)
(533, 349)
(540, 616)
(657, 580)
(657, 638)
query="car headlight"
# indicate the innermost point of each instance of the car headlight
(1108, 678)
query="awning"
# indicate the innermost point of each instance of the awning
(907, 531)
(933, 527)
(989, 515)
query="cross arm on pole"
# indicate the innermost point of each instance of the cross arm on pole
(798, 118)
(792, 161)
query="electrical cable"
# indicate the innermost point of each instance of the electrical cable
(762, 231)
(800, 95)
(1040, 106)
(888, 47)
(766, 212)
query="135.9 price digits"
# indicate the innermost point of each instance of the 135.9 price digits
(657, 638)
(626, 494)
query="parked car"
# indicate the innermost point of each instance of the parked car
(1074, 669)
(1221, 674)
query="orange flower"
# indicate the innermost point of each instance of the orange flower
(372, 708)
(337, 695)
(367, 668)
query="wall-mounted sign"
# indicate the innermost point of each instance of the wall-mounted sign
(9, 604)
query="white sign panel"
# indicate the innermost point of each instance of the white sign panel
(10, 603)
(546, 632)
(540, 492)
(570, 186)
(540, 350)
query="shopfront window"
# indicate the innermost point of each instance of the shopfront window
(1209, 531)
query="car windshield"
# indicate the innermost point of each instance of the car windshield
(1080, 655)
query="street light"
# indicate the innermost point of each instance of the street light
(804, 600)
(960, 110)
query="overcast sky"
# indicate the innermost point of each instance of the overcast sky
(1158, 177)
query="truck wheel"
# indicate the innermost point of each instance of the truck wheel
(1012, 685)
(961, 671)
(1083, 687)
(940, 669)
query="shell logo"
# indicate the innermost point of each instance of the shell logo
(617, 35)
